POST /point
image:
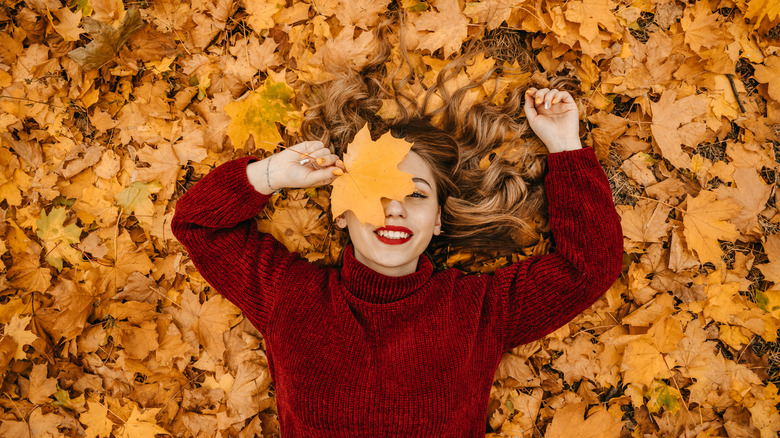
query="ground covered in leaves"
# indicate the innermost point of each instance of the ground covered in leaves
(109, 111)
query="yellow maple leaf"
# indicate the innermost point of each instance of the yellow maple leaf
(123, 259)
(643, 362)
(136, 200)
(445, 29)
(57, 237)
(672, 126)
(570, 421)
(257, 113)
(68, 26)
(769, 301)
(208, 320)
(760, 9)
(261, 13)
(769, 73)
(96, 420)
(701, 27)
(661, 395)
(16, 330)
(41, 386)
(142, 425)
(644, 222)
(704, 225)
(372, 174)
(591, 14)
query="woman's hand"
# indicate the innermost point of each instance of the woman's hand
(554, 118)
(306, 164)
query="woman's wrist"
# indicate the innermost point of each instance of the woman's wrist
(564, 145)
(261, 176)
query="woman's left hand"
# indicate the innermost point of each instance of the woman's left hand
(554, 118)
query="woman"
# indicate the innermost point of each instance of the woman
(385, 346)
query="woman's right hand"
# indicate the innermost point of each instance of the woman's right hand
(306, 164)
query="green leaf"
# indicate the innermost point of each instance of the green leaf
(57, 237)
(257, 114)
(136, 199)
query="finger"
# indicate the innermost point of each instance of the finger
(312, 154)
(323, 176)
(565, 97)
(327, 160)
(539, 96)
(550, 98)
(530, 111)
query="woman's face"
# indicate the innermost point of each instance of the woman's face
(394, 249)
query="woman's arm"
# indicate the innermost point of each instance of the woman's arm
(214, 222)
(545, 292)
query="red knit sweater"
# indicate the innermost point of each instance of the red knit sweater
(356, 353)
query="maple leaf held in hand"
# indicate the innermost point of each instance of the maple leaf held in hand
(372, 174)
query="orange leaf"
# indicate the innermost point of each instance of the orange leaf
(372, 174)
(570, 421)
(671, 126)
(769, 73)
(704, 225)
(95, 418)
(41, 387)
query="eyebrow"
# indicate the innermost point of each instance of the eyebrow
(418, 179)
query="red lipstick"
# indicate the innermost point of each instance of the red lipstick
(389, 241)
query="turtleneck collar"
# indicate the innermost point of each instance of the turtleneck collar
(369, 285)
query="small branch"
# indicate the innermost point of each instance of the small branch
(734, 90)
(3, 96)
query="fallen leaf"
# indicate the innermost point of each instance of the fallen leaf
(704, 224)
(371, 174)
(41, 387)
(17, 330)
(769, 73)
(58, 237)
(645, 221)
(142, 425)
(68, 26)
(443, 29)
(106, 40)
(257, 113)
(96, 420)
(570, 421)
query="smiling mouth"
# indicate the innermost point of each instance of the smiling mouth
(393, 235)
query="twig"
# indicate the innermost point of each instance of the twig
(3, 96)
(734, 90)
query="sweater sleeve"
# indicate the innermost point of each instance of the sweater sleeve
(213, 220)
(542, 293)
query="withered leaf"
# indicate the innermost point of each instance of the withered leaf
(106, 40)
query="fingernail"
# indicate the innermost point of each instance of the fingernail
(538, 100)
(546, 105)
(338, 172)
(320, 161)
(339, 163)
(555, 100)
(305, 161)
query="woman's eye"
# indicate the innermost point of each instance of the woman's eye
(418, 195)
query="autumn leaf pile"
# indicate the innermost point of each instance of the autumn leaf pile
(110, 111)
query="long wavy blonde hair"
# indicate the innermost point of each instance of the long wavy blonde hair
(496, 208)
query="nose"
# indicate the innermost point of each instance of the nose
(393, 208)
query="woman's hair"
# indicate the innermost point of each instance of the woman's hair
(488, 166)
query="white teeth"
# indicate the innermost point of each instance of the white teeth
(393, 234)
